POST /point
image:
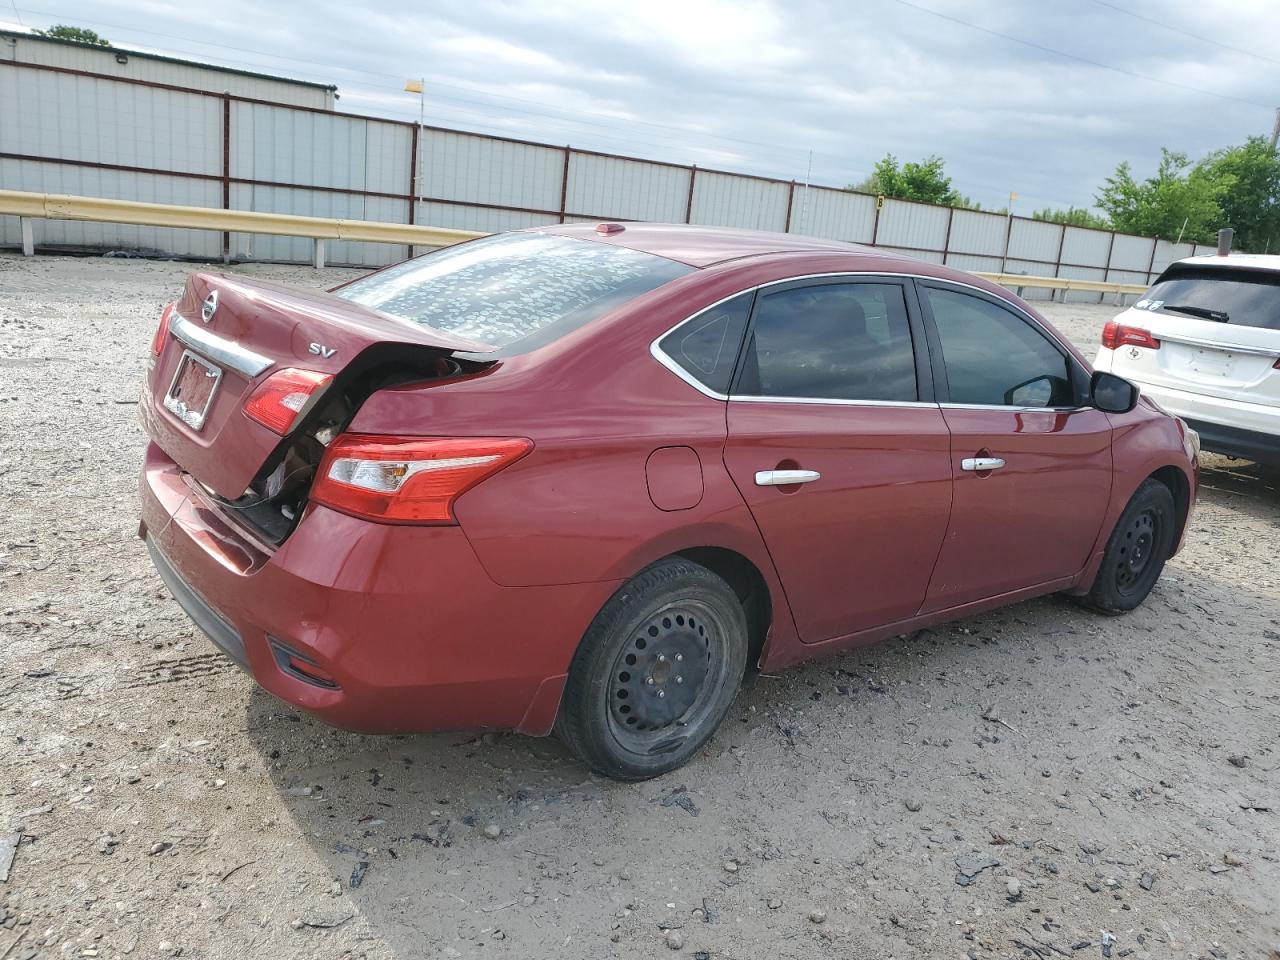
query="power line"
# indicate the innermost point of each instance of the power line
(1185, 33)
(1072, 56)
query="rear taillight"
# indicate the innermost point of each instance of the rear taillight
(282, 397)
(1118, 335)
(408, 479)
(162, 331)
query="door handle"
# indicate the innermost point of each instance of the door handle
(783, 478)
(981, 464)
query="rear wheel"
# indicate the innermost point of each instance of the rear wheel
(656, 672)
(1137, 550)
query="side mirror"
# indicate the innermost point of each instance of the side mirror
(1112, 394)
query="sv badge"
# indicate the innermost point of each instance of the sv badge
(320, 350)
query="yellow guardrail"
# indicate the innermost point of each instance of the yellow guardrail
(1062, 283)
(57, 206)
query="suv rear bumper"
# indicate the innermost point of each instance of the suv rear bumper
(413, 633)
(1236, 428)
(1234, 442)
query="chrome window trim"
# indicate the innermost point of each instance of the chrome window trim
(219, 349)
(1219, 345)
(1011, 409)
(747, 398)
(657, 353)
(663, 358)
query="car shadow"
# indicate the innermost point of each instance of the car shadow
(451, 842)
(1241, 485)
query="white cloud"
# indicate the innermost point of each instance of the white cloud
(756, 84)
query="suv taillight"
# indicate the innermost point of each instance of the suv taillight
(1118, 335)
(280, 399)
(408, 479)
(162, 331)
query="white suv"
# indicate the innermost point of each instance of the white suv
(1204, 343)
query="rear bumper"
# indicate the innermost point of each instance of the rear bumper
(412, 631)
(224, 636)
(1234, 442)
(1258, 420)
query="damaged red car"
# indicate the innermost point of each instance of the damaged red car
(584, 478)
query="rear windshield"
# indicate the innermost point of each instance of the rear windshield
(521, 289)
(1247, 298)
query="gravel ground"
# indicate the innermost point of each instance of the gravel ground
(1036, 782)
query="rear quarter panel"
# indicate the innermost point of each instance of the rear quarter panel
(597, 405)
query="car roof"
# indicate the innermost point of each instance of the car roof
(1234, 261)
(702, 246)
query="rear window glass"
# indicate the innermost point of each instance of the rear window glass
(525, 289)
(1247, 298)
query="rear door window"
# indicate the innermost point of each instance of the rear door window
(1248, 298)
(831, 341)
(514, 290)
(993, 357)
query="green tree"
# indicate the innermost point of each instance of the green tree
(1072, 217)
(1248, 178)
(78, 34)
(925, 181)
(1179, 199)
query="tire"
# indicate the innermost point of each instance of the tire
(1136, 551)
(655, 673)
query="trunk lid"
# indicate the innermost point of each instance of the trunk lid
(228, 334)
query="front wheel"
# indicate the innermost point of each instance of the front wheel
(1137, 550)
(656, 672)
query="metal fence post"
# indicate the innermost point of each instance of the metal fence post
(317, 259)
(1106, 271)
(28, 237)
(1060, 295)
(414, 140)
(564, 183)
(226, 171)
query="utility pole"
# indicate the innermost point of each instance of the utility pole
(804, 197)
(419, 87)
(1008, 231)
(1275, 129)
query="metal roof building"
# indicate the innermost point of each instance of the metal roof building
(157, 69)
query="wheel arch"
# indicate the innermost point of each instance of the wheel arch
(1176, 480)
(748, 584)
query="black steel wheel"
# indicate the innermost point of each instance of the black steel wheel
(656, 672)
(1137, 550)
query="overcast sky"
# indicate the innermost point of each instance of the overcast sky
(755, 86)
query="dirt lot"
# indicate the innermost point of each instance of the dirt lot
(1037, 782)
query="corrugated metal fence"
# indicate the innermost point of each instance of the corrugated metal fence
(69, 131)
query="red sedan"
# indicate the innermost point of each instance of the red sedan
(583, 478)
